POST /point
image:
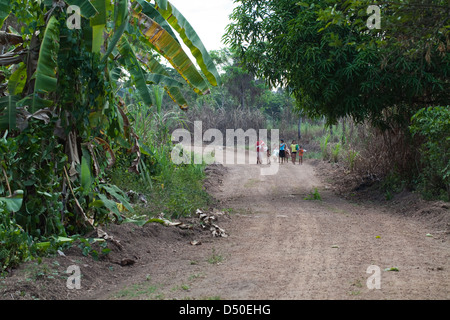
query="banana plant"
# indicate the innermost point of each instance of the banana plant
(127, 34)
(117, 31)
(75, 74)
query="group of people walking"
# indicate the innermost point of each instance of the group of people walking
(286, 151)
(282, 153)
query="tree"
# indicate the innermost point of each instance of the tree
(239, 83)
(63, 77)
(336, 66)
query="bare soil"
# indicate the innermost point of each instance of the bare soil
(279, 245)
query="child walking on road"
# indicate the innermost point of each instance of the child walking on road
(300, 154)
(260, 145)
(283, 149)
(294, 149)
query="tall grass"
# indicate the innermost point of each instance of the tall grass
(324, 147)
(350, 157)
(175, 190)
(178, 189)
(335, 152)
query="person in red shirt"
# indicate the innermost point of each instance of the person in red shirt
(259, 151)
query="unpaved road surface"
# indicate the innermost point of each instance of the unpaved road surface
(279, 246)
(282, 246)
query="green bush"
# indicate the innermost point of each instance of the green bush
(314, 195)
(33, 162)
(15, 244)
(393, 183)
(432, 126)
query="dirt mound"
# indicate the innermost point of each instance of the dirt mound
(136, 246)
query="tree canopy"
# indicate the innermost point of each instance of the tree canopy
(335, 66)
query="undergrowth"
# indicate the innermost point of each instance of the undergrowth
(414, 158)
(175, 190)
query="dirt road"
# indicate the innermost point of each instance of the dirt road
(285, 247)
(279, 246)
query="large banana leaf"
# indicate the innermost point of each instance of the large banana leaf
(177, 96)
(8, 112)
(132, 65)
(160, 79)
(120, 23)
(150, 11)
(190, 38)
(98, 24)
(86, 174)
(46, 67)
(170, 49)
(16, 82)
(174, 92)
(35, 101)
(5, 9)
(87, 10)
(162, 4)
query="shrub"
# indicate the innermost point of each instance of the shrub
(432, 126)
(15, 244)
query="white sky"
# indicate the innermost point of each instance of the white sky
(208, 18)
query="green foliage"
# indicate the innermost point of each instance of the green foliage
(350, 158)
(67, 123)
(4, 11)
(324, 147)
(176, 190)
(335, 66)
(432, 126)
(15, 244)
(46, 80)
(33, 162)
(335, 152)
(86, 245)
(393, 183)
(314, 195)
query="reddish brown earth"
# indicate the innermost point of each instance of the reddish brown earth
(279, 246)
